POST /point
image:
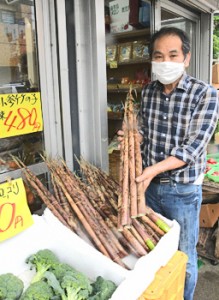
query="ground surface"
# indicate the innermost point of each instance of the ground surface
(208, 281)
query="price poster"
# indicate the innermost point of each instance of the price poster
(20, 114)
(15, 215)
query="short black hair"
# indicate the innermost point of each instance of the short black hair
(165, 31)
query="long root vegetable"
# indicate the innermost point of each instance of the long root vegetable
(131, 198)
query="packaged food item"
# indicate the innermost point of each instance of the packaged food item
(111, 53)
(125, 50)
(137, 50)
(125, 80)
(145, 51)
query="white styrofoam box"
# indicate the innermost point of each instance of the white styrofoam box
(48, 232)
(119, 16)
(145, 268)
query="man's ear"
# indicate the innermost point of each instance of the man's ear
(187, 59)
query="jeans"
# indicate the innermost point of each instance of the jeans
(181, 202)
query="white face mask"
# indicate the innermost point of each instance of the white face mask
(167, 72)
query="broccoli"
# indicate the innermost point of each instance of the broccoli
(55, 284)
(42, 261)
(11, 287)
(102, 289)
(68, 283)
(76, 285)
(59, 270)
(38, 290)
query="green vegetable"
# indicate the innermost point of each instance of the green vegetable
(38, 290)
(42, 261)
(11, 287)
(54, 283)
(162, 225)
(76, 285)
(102, 289)
(60, 281)
(59, 270)
(150, 244)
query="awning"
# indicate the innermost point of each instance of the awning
(203, 5)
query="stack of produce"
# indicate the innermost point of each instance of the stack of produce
(131, 197)
(53, 279)
(89, 207)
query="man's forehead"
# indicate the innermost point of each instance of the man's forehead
(172, 51)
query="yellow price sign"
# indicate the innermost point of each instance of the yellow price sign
(15, 215)
(20, 114)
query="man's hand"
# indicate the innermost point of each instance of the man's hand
(169, 163)
(120, 138)
(148, 174)
(120, 135)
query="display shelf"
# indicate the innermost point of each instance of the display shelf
(115, 115)
(132, 62)
(124, 88)
(129, 34)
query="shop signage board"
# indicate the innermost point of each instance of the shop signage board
(15, 215)
(20, 113)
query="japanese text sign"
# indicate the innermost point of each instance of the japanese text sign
(20, 114)
(15, 215)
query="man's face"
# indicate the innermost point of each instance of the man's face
(169, 48)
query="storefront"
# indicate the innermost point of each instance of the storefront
(65, 70)
(57, 50)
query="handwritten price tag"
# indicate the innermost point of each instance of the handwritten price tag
(20, 114)
(15, 215)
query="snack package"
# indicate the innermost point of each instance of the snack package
(111, 53)
(125, 50)
(145, 51)
(137, 50)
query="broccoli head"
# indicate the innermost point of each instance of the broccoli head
(60, 270)
(11, 287)
(76, 285)
(42, 261)
(102, 289)
(38, 290)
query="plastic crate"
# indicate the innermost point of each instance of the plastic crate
(169, 280)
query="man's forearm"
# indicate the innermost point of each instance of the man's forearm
(168, 164)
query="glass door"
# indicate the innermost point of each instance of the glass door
(173, 15)
(19, 86)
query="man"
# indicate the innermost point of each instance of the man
(178, 116)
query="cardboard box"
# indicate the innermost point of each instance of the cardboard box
(215, 73)
(48, 232)
(216, 85)
(209, 215)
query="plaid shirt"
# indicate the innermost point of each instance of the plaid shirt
(179, 124)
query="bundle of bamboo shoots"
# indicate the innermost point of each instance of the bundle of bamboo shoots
(131, 196)
(89, 207)
(108, 191)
